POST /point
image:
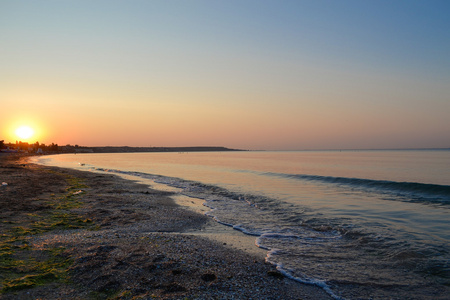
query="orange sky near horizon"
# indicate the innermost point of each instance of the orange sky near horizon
(151, 74)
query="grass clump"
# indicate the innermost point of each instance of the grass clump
(28, 281)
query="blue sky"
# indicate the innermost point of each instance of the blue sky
(245, 74)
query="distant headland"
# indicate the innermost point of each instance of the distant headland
(21, 147)
(127, 149)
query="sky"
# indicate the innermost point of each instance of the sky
(257, 75)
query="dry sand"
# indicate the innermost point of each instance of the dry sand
(127, 242)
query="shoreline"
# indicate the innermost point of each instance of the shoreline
(213, 230)
(120, 239)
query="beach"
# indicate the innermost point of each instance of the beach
(69, 234)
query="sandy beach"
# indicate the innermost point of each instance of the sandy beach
(68, 234)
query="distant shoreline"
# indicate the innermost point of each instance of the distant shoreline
(127, 149)
(55, 149)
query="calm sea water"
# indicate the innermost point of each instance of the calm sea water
(360, 224)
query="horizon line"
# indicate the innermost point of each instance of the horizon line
(209, 146)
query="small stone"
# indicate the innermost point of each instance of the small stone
(176, 272)
(208, 277)
(275, 274)
(174, 287)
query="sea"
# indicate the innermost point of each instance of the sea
(360, 224)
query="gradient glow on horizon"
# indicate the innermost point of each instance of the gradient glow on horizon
(275, 75)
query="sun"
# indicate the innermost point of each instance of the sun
(24, 132)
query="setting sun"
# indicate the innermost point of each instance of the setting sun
(24, 132)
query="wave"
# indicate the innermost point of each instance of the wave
(420, 192)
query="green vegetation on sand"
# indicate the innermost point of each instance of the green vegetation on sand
(22, 265)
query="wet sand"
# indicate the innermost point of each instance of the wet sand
(213, 230)
(120, 239)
